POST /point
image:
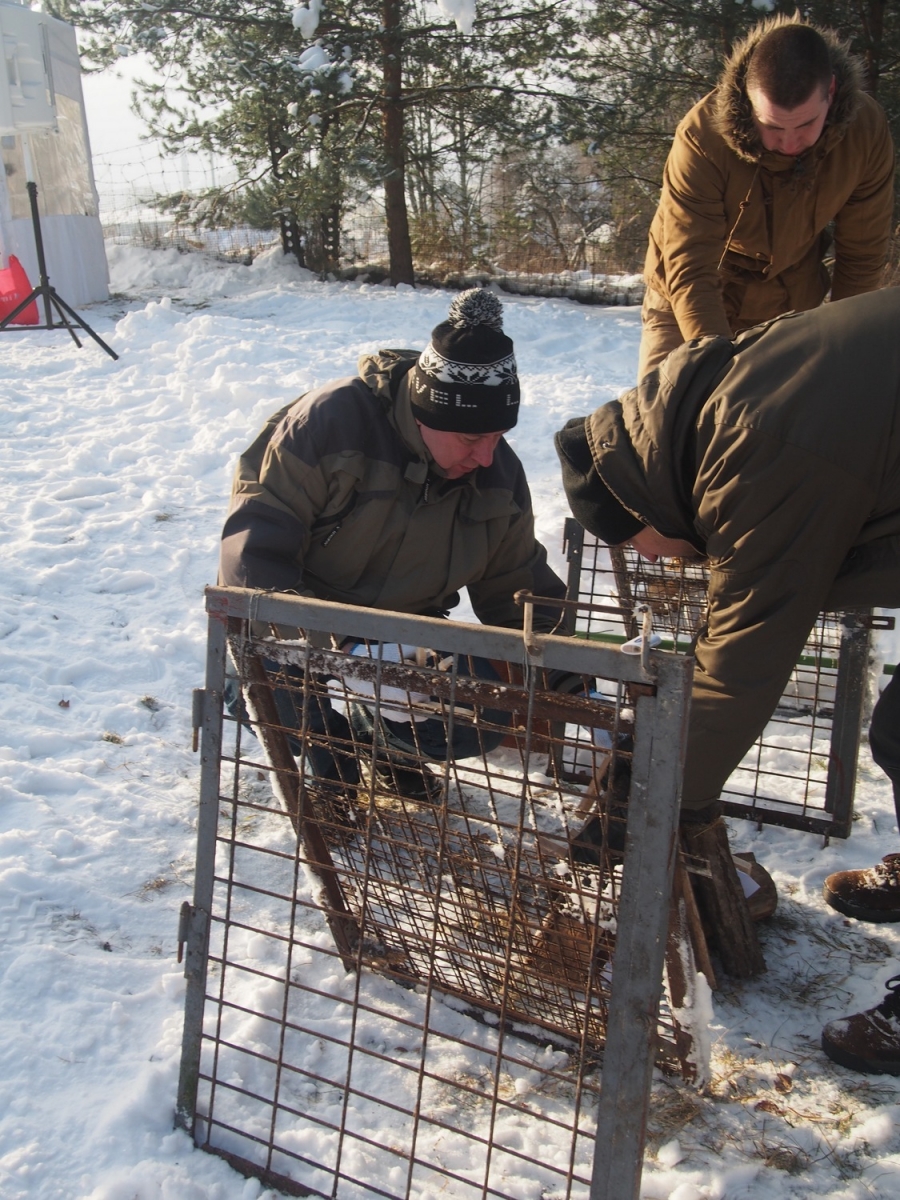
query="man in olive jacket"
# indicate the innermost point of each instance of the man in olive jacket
(394, 489)
(777, 458)
(786, 156)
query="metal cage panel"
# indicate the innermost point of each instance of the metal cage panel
(403, 977)
(802, 770)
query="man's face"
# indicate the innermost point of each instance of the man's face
(459, 453)
(791, 130)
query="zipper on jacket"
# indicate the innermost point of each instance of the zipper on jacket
(338, 518)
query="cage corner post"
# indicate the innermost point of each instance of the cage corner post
(195, 927)
(642, 931)
(846, 724)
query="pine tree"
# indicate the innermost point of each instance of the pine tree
(388, 68)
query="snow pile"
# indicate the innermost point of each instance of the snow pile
(117, 476)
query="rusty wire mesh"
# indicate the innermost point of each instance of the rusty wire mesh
(408, 975)
(801, 771)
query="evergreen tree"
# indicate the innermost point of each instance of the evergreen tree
(387, 69)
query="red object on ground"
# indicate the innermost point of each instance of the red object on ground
(14, 287)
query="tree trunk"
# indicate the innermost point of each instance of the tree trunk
(399, 246)
(291, 239)
(873, 51)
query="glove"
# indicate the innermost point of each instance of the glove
(397, 704)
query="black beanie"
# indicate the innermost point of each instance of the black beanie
(591, 501)
(465, 380)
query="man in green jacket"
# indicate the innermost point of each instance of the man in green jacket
(395, 489)
(776, 457)
(787, 159)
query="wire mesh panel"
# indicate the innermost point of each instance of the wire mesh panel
(801, 772)
(409, 896)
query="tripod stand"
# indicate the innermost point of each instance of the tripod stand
(44, 288)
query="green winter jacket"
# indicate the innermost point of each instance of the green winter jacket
(778, 457)
(339, 498)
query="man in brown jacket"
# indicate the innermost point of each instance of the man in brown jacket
(777, 458)
(786, 157)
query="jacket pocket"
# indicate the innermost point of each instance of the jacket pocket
(330, 523)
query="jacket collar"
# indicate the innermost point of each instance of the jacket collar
(644, 443)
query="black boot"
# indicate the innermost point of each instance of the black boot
(417, 784)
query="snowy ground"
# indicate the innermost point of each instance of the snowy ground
(116, 476)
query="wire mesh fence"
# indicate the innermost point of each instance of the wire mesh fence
(422, 934)
(154, 200)
(801, 772)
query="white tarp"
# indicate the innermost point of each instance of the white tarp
(61, 158)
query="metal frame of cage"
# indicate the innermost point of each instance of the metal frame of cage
(419, 995)
(801, 772)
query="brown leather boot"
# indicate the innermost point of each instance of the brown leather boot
(872, 894)
(868, 1041)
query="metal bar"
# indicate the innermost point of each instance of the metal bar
(651, 836)
(573, 548)
(487, 641)
(406, 677)
(198, 924)
(782, 819)
(846, 723)
(524, 597)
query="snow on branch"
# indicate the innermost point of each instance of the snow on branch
(460, 11)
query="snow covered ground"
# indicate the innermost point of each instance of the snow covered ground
(115, 480)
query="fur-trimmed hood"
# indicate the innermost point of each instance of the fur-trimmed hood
(734, 116)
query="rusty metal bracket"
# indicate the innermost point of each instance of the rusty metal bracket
(876, 621)
(198, 708)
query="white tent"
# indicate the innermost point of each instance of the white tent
(41, 101)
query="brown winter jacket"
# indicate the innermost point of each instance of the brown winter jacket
(740, 232)
(338, 498)
(778, 456)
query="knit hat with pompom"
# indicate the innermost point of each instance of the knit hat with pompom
(465, 380)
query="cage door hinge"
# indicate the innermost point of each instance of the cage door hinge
(198, 712)
(193, 923)
(875, 621)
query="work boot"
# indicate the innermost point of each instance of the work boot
(872, 894)
(416, 784)
(868, 1041)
